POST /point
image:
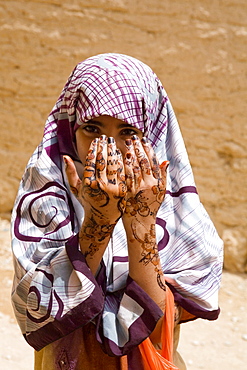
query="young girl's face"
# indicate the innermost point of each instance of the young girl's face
(104, 125)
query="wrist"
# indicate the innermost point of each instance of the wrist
(138, 221)
(97, 228)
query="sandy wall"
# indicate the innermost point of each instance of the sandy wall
(197, 48)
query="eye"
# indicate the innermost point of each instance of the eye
(92, 129)
(129, 132)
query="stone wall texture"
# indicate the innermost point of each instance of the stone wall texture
(196, 47)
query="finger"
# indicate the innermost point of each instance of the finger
(142, 158)
(89, 169)
(121, 175)
(112, 161)
(129, 175)
(120, 172)
(136, 171)
(72, 175)
(101, 160)
(153, 160)
(163, 168)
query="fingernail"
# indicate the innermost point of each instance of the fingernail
(145, 140)
(128, 142)
(103, 137)
(110, 140)
(134, 137)
(165, 164)
(128, 155)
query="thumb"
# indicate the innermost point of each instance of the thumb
(163, 168)
(72, 175)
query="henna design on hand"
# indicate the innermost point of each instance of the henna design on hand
(136, 205)
(91, 185)
(100, 162)
(96, 232)
(159, 190)
(150, 252)
(146, 191)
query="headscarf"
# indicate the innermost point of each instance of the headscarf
(52, 284)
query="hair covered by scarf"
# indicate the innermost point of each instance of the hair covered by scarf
(54, 292)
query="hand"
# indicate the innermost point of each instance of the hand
(146, 185)
(102, 189)
(145, 179)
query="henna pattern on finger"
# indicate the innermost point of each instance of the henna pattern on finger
(111, 162)
(95, 191)
(145, 166)
(155, 167)
(122, 187)
(153, 158)
(91, 187)
(100, 162)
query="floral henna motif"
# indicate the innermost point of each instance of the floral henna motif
(159, 190)
(148, 244)
(97, 230)
(136, 205)
(150, 252)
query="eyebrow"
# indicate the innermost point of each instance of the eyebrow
(90, 122)
(100, 124)
(121, 125)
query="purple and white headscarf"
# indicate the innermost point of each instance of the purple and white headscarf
(54, 292)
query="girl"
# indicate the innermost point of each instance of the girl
(102, 227)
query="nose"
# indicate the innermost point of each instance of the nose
(120, 143)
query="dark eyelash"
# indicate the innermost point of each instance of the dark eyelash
(129, 129)
(91, 127)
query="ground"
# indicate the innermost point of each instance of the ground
(219, 345)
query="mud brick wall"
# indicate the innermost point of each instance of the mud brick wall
(197, 48)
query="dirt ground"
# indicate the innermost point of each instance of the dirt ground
(220, 345)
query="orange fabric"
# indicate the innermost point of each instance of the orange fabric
(186, 316)
(161, 360)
